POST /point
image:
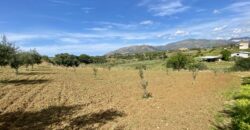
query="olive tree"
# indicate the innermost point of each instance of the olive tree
(7, 50)
(17, 61)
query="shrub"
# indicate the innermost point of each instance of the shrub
(242, 64)
(66, 60)
(83, 58)
(225, 55)
(178, 61)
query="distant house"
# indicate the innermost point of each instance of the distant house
(244, 45)
(242, 54)
(211, 58)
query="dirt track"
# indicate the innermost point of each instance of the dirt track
(56, 98)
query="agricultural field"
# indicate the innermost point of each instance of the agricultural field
(51, 97)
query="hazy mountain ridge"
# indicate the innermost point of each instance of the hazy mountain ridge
(188, 43)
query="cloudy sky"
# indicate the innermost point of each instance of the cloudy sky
(96, 27)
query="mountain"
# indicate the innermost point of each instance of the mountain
(194, 43)
(134, 49)
(240, 39)
(188, 43)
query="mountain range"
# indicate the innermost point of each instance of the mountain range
(188, 43)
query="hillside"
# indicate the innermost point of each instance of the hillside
(189, 43)
(133, 49)
(194, 43)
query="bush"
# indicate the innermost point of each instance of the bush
(240, 111)
(66, 60)
(83, 58)
(226, 54)
(242, 64)
(178, 62)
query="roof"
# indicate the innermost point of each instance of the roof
(210, 57)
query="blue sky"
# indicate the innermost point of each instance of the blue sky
(96, 27)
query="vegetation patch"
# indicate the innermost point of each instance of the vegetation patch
(237, 111)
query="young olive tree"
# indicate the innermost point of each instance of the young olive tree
(30, 58)
(17, 61)
(144, 85)
(195, 67)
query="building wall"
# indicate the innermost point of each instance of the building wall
(244, 45)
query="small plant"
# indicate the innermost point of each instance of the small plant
(141, 74)
(95, 72)
(195, 67)
(144, 85)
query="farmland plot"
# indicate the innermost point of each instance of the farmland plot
(59, 98)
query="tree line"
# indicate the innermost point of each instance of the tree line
(12, 56)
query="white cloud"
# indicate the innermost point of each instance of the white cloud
(181, 33)
(147, 22)
(164, 7)
(219, 28)
(167, 9)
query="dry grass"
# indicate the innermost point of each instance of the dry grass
(59, 98)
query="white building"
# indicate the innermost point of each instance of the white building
(243, 45)
(241, 54)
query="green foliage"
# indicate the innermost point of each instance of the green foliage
(240, 111)
(197, 66)
(242, 64)
(16, 61)
(66, 60)
(226, 55)
(7, 50)
(31, 57)
(178, 61)
(141, 67)
(83, 58)
(47, 59)
(99, 59)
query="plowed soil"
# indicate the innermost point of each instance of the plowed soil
(58, 98)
